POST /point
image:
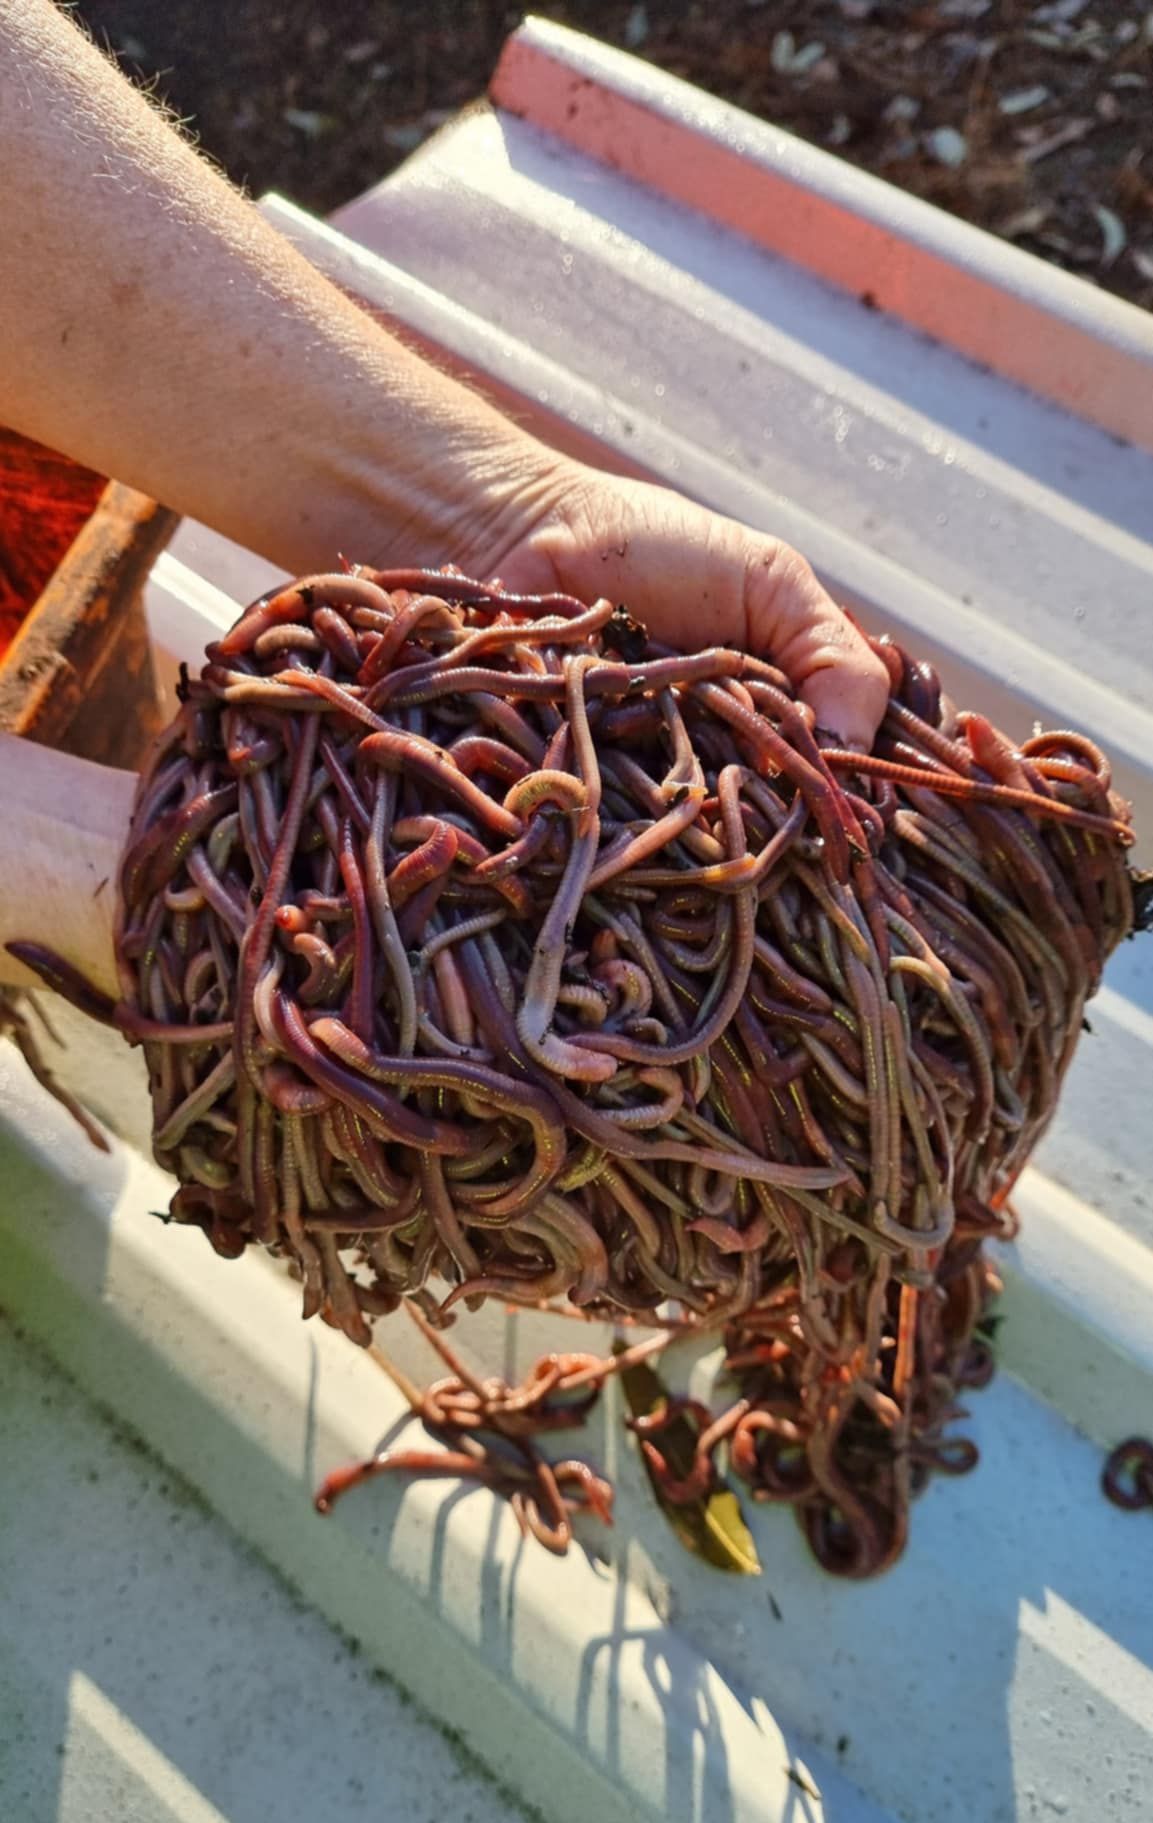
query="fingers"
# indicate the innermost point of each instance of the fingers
(697, 578)
(790, 617)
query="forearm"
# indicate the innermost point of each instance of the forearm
(157, 329)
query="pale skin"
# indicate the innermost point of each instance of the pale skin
(154, 327)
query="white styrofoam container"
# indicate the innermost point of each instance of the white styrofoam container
(664, 285)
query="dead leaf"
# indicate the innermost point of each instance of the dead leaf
(783, 49)
(1021, 101)
(1059, 12)
(308, 121)
(789, 59)
(636, 27)
(714, 1527)
(406, 137)
(1026, 221)
(1072, 251)
(947, 146)
(807, 58)
(1113, 235)
(1066, 135)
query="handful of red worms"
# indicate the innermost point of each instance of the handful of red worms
(482, 946)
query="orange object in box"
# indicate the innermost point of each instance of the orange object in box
(44, 501)
(75, 551)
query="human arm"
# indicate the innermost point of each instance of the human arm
(157, 328)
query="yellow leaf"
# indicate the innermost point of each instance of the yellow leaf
(714, 1526)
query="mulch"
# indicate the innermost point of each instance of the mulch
(1032, 118)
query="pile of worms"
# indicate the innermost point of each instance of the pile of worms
(482, 946)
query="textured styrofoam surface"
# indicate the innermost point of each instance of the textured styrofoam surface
(1088, 351)
(153, 1670)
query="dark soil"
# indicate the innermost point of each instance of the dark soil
(1033, 118)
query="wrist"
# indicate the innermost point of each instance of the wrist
(415, 470)
(512, 492)
(467, 488)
